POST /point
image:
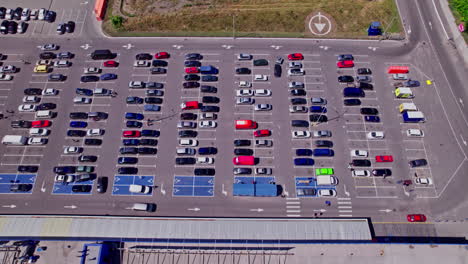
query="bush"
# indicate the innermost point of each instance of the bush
(462, 8)
(117, 22)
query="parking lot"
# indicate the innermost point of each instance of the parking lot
(276, 152)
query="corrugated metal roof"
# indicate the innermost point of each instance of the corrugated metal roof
(184, 228)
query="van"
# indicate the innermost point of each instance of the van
(246, 124)
(102, 54)
(403, 92)
(45, 114)
(327, 180)
(148, 207)
(135, 188)
(353, 92)
(14, 140)
(323, 152)
(407, 107)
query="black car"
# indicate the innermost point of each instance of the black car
(47, 55)
(4, 27)
(147, 151)
(84, 91)
(81, 188)
(260, 62)
(185, 161)
(364, 71)
(26, 168)
(306, 192)
(76, 133)
(50, 16)
(192, 63)
(32, 91)
(344, 57)
(89, 78)
(318, 118)
(187, 133)
(208, 89)
(193, 56)
(298, 101)
(154, 85)
(2, 12)
(242, 142)
(130, 142)
(21, 187)
(158, 71)
(87, 158)
(243, 152)
(133, 124)
(365, 86)
(298, 92)
(299, 123)
(78, 115)
(210, 99)
(20, 124)
(243, 71)
(192, 77)
(209, 108)
(204, 171)
(191, 84)
(65, 55)
(93, 142)
(46, 106)
(127, 170)
(159, 63)
(345, 78)
(150, 133)
(361, 163)
(323, 143)
(17, 13)
(12, 27)
(134, 100)
(127, 160)
(70, 26)
(153, 100)
(102, 183)
(382, 172)
(278, 70)
(207, 151)
(242, 171)
(64, 169)
(148, 142)
(143, 56)
(128, 150)
(418, 163)
(350, 102)
(209, 78)
(369, 111)
(188, 116)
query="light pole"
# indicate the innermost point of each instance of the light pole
(233, 26)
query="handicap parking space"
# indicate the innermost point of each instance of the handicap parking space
(60, 188)
(122, 183)
(6, 180)
(310, 183)
(197, 186)
(254, 179)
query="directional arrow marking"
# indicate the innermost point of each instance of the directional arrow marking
(9, 206)
(194, 209)
(320, 26)
(257, 210)
(385, 210)
(70, 206)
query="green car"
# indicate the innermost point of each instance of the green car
(324, 171)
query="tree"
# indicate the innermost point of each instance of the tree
(117, 21)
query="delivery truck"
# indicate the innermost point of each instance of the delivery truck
(413, 117)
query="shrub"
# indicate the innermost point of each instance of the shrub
(117, 21)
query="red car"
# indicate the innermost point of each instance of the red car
(295, 56)
(262, 133)
(162, 55)
(416, 218)
(110, 63)
(41, 123)
(192, 70)
(345, 64)
(131, 133)
(384, 158)
(244, 160)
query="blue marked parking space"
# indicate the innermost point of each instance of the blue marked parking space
(6, 180)
(123, 182)
(60, 188)
(304, 184)
(201, 186)
(257, 180)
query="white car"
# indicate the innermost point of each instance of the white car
(141, 63)
(244, 101)
(300, 134)
(361, 173)
(49, 92)
(62, 63)
(322, 133)
(244, 56)
(8, 14)
(208, 116)
(44, 62)
(188, 142)
(42, 13)
(414, 133)
(359, 153)
(262, 92)
(263, 143)
(400, 76)
(95, 132)
(423, 181)
(296, 85)
(245, 84)
(205, 160)
(26, 108)
(25, 14)
(375, 135)
(82, 100)
(64, 178)
(298, 109)
(8, 69)
(31, 99)
(49, 47)
(37, 141)
(136, 84)
(207, 124)
(38, 132)
(263, 171)
(244, 92)
(6, 77)
(186, 124)
(326, 193)
(295, 64)
(72, 150)
(296, 72)
(34, 14)
(260, 77)
(263, 107)
(92, 70)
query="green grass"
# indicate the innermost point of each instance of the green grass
(459, 18)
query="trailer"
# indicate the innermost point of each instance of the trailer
(413, 117)
(243, 189)
(266, 190)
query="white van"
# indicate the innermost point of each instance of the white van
(148, 207)
(326, 180)
(45, 114)
(135, 188)
(14, 140)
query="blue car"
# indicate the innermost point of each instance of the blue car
(134, 124)
(209, 78)
(131, 142)
(134, 100)
(79, 124)
(303, 162)
(108, 76)
(127, 160)
(411, 83)
(149, 133)
(152, 107)
(318, 109)
(136, 116)
(207, 151)
(83, 91)
(303, 152)
(372, 118)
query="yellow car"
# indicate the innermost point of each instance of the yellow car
(41, 69)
